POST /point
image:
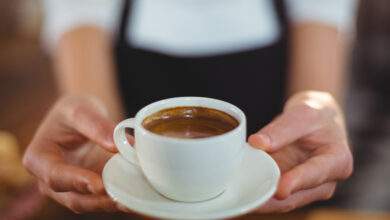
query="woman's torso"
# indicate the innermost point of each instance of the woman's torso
(253, 78)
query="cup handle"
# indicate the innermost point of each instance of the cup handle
(126, 150)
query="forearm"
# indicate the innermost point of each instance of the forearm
(84, 66)
(317, 60)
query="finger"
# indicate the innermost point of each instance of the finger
(299, 199)
(92, 123)
(313, 172)
(130, 139)
(63, 177)
(123, 208)
(296, 122)
(81, 203)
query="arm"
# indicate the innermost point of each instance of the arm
(84, 65)
(318, 59)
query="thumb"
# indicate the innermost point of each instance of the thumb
(293, 124)
(93, 124)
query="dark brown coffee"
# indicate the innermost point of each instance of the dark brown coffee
(190, 122)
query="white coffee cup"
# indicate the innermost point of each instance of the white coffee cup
(188, 170)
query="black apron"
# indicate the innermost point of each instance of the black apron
(252, 80)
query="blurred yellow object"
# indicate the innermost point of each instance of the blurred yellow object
(12, 173)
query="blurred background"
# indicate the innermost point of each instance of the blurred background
(27, 90)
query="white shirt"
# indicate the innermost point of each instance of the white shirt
(194, 27)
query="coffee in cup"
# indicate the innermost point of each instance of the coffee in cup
(190, 122)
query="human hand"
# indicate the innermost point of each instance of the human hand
(68, 153)
(309, 143)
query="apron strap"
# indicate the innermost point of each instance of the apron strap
(125, 19)
(281, 11)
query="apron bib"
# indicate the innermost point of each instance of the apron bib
(252, 80)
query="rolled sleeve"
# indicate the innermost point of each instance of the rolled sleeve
(338, 13)
(64, 15)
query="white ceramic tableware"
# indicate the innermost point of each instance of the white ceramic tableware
(249, 188)
(188, 170)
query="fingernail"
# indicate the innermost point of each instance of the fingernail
(90, 188)
(265, 139)
(109, 142)
(260, 141)
(123, 208)
(95, 190)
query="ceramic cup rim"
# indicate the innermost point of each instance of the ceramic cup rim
(141, 115)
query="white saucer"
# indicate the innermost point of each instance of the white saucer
(253, 185)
